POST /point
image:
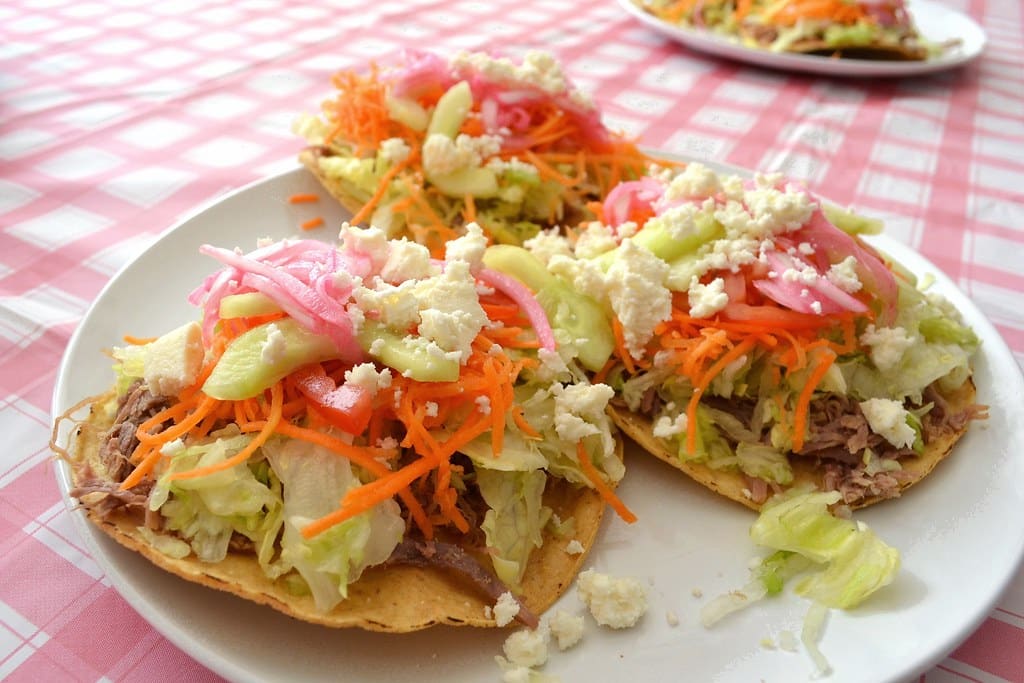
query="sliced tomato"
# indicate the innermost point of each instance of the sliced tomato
(774, 316)
(348, 407)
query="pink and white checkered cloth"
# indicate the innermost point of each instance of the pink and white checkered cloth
(118, 117)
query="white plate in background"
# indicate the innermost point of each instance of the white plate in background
(934, 21)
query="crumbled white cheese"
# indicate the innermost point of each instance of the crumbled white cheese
(371, 241)
(273, 349)
(587, 277)
(680, 222)
(671, 618)
(548, 243)
(483, 404)
(844, 275)
(450, 311)
(805, 275)
(538, 69)
(394, 150)
(635, 285)
(888, 419)
(406, 261)
(780, 210)
(696, 181)
(566, 629)
(527, 647)
(574, 547)
(397, 306)
(596, 239)
(443, 155)
(665, 427)
(816, 307)
(888, 344)
(614, 602)
(367, 376)
(469, 247)
(505, 609)
(552, 365)
(706, 300)
(579, 409)
(430, 409)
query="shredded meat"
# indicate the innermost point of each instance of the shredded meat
(837, 436)
(762, 34)
(454, 558)
(137, 406)
(855, 484)
(941, 419)
(106, 497)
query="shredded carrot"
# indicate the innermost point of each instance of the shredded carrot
(601, 375)
(606, 492)
(620, 346)
(804, 400)
(382, 188)
(363, 498)
(312, 223)
(556, 140)
(273, 419)
(138, 341)
(303, 198)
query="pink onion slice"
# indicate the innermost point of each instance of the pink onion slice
(524, 298)
(629, 196)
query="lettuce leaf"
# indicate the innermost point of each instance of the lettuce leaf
(206, 511)
(515, 520)
(314, 480)
(853, 561)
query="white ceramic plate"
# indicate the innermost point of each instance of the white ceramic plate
(935, 22)
(960, 531)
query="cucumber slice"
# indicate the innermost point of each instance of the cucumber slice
(242, 372)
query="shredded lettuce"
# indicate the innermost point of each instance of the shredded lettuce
(207, 510)
(764, 462)
(854, 561)
(314, 480)
(130, 366)
(515, 521)
(941, 352)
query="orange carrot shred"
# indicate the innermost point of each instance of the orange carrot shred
(601, 486)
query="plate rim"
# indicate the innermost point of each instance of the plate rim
(719, 46)
(994, 347)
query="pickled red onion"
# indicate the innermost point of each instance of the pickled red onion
(524, 298)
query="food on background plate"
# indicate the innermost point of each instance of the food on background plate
(356, 435)
(428, 145)
(761, 344)
(866, 29)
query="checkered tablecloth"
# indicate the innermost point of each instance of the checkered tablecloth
(118, 117)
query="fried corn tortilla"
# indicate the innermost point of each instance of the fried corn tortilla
(310, 159)
(389, 598)
(806, 470)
